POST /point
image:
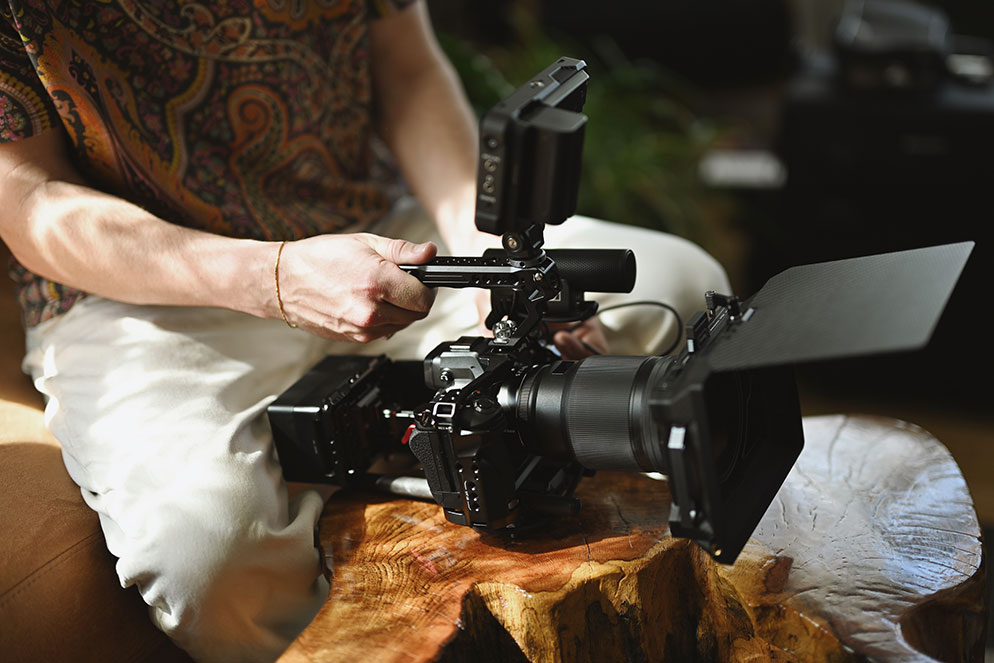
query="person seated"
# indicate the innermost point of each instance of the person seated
(196, 207)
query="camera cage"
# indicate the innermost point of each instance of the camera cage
(724, 425)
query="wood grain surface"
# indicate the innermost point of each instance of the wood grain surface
(871, 551)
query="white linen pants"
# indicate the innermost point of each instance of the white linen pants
(161, 413)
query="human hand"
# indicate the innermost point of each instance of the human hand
(348, 287)
(576, 342)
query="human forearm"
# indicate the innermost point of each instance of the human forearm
(65, 231)
(437, 152)
(110, 247)
(424, 117)
(345, 287)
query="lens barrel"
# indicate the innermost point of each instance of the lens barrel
(595, 411)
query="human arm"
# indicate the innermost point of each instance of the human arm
(423, 116)
(60, 228)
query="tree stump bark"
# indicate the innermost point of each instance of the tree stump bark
(871, 551)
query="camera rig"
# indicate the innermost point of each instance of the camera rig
(504, 428)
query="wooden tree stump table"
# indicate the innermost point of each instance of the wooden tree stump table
(871, 551)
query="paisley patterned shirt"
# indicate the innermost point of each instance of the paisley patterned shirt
(249, 118)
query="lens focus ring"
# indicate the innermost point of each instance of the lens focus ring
(598, 414)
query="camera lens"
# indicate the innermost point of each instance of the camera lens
(595, 411)
(599, 411)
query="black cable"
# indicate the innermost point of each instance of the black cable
(671, 309)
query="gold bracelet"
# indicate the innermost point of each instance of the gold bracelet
(276, 277)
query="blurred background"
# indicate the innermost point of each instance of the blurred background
(783, 132)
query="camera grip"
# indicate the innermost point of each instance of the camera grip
(423, 444)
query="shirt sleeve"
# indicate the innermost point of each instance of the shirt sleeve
(25, 107)
(381, 8)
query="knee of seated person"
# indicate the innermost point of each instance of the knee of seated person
(679, 271)
(232, 582)
(670, 270)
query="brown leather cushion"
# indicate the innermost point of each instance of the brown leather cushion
(59, 595)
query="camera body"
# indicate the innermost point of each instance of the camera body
(505, 432)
